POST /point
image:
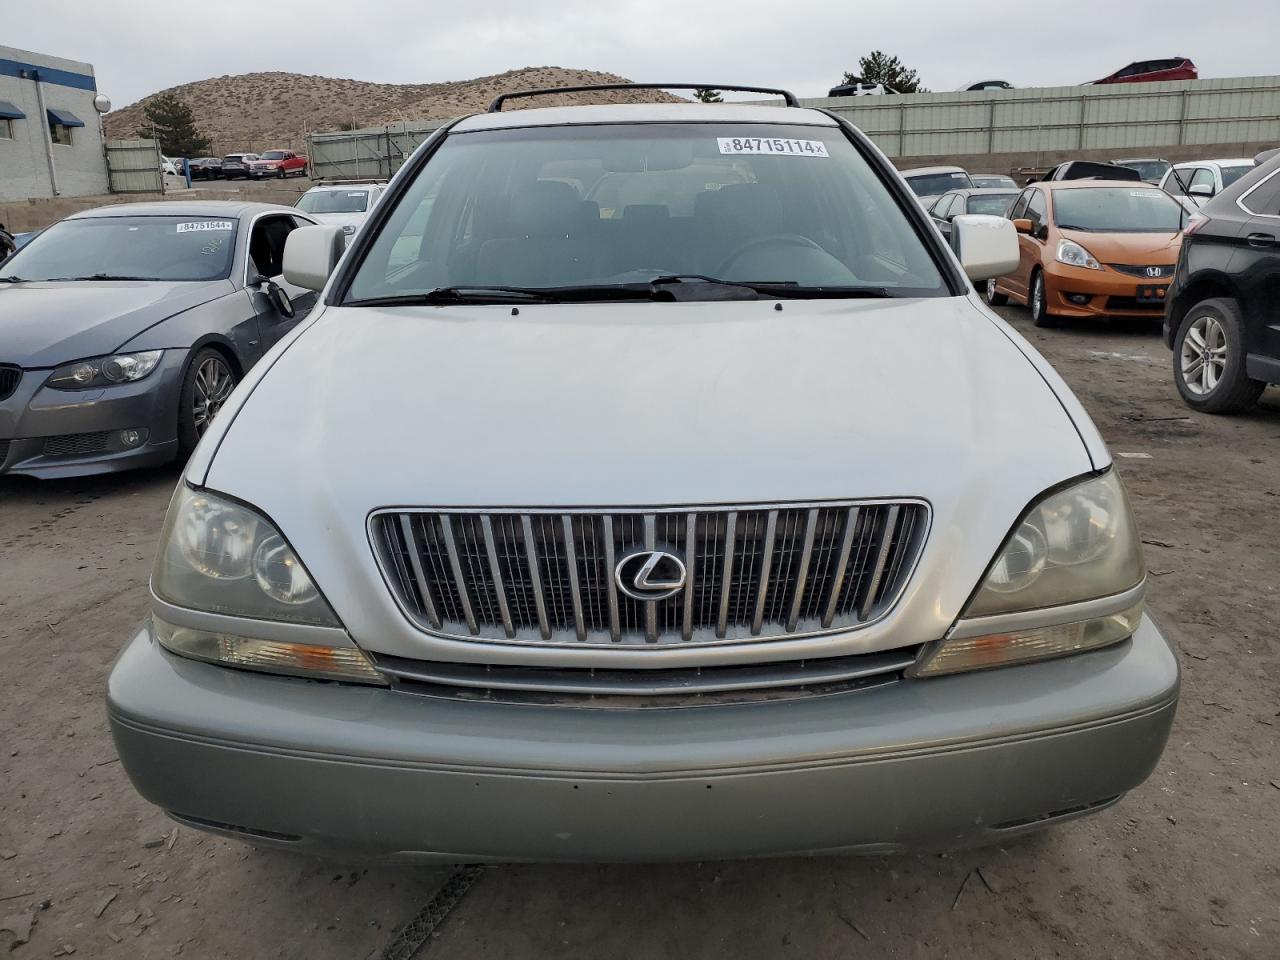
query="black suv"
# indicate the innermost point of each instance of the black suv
(1222, 318)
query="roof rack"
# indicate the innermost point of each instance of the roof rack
(786, 95)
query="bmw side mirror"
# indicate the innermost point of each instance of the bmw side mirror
(310, 255)
(986, 246)
(278, 296)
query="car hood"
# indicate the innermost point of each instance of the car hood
(1138, 249)
(626, 405)
(44, 324)
(339, 219)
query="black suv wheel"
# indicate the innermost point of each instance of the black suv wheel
(1209, 359)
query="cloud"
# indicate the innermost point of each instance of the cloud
(140, 47)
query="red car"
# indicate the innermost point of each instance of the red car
(1149, 71)
(278, 163)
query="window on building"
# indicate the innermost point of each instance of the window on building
(6, 128)
(60, 133)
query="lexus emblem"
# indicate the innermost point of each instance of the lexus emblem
(1154, 271)
(650, 575)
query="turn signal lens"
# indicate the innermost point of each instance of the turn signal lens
(1024, 646)
(268, 656)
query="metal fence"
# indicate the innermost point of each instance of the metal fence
(1142, 117)
(1135, 116)
(370, 153)
(133, 166)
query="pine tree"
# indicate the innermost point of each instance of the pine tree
(171, 121)
(879, 67)
(707, 95)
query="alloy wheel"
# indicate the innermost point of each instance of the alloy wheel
(1204, 355)
(214, 383)
(1037, 296)
(991, 289)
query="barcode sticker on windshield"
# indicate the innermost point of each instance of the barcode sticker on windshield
(773, 146)
(197, 225)
(1147, 193)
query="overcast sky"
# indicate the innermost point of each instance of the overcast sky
(141, 46)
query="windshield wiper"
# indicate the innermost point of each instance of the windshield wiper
(96, 276)
(13, 280)
(484, 294)
(785, 289)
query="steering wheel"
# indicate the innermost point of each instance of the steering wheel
(781, 240)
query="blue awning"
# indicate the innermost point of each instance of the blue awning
(9, 112)
(64, 117)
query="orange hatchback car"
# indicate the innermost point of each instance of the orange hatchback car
(1092, 248)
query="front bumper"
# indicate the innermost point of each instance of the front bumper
(63, 433)
(1108, 292)
(373, 772)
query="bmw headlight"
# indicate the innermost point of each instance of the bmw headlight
(1074, 255)
(104, 371)
(1069, 578)
(218, 556)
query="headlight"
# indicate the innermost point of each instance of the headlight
(1074, 255)
(104, 371)
(219, 556)
(1069, 578)
(224, 558)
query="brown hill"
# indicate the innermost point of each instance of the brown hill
(256, 111)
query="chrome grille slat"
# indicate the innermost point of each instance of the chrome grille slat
(535, 578)
(753, 572)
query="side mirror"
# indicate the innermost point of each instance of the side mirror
(310, 254)
(1022, 226)
(986, 246)
(1200, 190)
(279, 298)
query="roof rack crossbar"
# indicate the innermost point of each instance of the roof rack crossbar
(786, 95)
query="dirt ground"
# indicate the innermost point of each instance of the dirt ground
(1185, 867)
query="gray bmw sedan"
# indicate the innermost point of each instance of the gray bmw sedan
(124, 329)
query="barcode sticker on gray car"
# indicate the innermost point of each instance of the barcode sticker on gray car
(196, 225)
(778, 146)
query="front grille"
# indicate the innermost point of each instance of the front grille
(75, 444)
(1140, 270)
(9, 377)
(753, 572)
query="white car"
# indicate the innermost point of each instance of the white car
(343, 203)
(723, 519)
(167, 167)
(1195, 181)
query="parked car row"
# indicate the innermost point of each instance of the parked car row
(250, 166)
(1200, 251)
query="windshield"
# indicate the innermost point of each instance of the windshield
(138, 248)
(334, 201)
(1117, 210)
(992, 204)
(272, 155)
(1231, 174)
(1149, 170)
(993, 180)
(542, 207)
(239, 157)
(934, 184)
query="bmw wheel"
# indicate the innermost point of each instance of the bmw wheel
(208, 383)
(995, 298)
(1209, 359)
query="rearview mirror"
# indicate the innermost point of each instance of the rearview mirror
(986, 246)
(1023, 226)
(310, 254)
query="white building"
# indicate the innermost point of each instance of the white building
(50, 130)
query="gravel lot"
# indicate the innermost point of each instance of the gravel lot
(1186, 866)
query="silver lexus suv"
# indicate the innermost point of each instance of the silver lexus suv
(648, 483)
